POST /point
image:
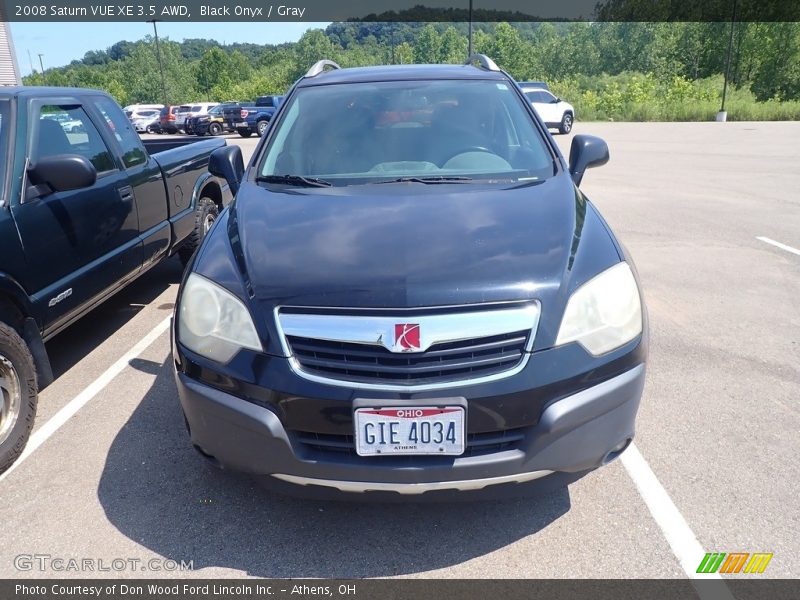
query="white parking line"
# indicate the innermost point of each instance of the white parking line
(767, 240)
(676, 530)
(41, 435)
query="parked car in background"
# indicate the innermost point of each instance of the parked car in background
(248, 119)
(180, 116)
(196, 110)
(555, 113)
(167, 119)
(210, 123)
(68, 124)
(410, 295)
(135, 111)
(146, 121)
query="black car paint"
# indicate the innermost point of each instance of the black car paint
(396, 275)
(95, 240)
(458, 244)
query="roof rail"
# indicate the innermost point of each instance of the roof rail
(484, 61)
(319, 67)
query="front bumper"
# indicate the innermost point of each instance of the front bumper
(576, 433)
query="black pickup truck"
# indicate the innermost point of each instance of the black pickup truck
(247, 119)
(84, 210)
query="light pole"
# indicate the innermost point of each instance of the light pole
(41, 64)
(469, 36)
(160, 64)
(722, 116)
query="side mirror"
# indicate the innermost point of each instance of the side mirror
(587, 151)
(61, 173)
(228, 164)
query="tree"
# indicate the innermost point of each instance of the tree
(508, 50)
(214, 70)
(428, 45)
(453, 48)
(404, 54)
(313, 46)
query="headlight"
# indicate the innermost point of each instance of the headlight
(213, 322)
(604, 313)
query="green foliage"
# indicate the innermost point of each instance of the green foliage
(641, 97)
(616, 70)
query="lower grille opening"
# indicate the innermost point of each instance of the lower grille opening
(477, 444)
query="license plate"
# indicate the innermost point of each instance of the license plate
(240, 125)
(421, 430)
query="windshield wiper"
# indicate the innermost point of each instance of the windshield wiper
(428, 180)
(298, 180)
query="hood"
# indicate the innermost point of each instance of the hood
(410, 245)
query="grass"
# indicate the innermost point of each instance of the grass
(640, 97)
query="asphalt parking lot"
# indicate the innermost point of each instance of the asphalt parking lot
(715, 466)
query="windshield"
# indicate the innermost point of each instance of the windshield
(352, 134)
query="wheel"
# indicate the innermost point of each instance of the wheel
(262, 127)
(566, 123)
(244, 132)
(150, 129)
(215, 129)
(204, 216)
(18, 395)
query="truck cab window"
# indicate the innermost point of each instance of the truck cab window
(120, 126)
(67, 129)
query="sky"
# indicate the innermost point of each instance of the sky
(61, 43)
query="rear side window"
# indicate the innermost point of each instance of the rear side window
(547, 97)
(534, 97)
(120, 127)
(67, 129)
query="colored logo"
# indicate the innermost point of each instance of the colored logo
(734, 562)
(406, 337)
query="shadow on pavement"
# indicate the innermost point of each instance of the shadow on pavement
(86, 334)
(159, 493)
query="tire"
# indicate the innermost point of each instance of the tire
(566, 123)
(261, 127)
(205, 215)
(214, 129)
(18, 395)
(150, 129)
(245, 133)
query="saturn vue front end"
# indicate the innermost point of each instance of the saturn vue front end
(410, 295)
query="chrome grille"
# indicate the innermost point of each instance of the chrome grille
(371, 348)
(441, 362)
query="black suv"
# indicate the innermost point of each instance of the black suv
(410, 295)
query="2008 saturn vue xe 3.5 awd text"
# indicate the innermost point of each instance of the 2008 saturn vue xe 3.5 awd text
(410, 295)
